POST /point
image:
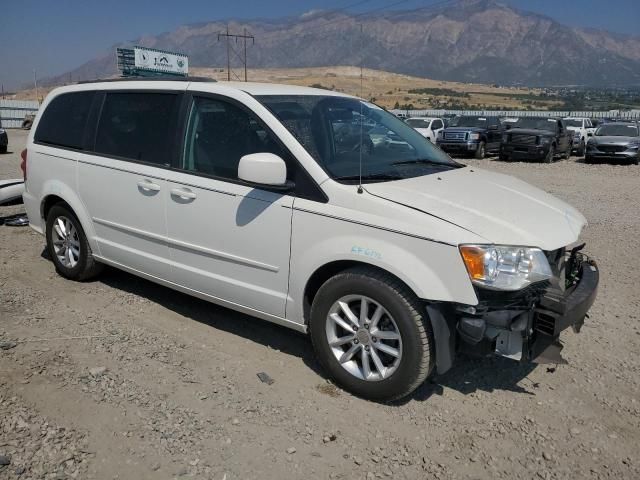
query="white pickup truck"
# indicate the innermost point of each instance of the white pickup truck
(426, 126)
(582, 129)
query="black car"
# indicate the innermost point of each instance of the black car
(471, 135)
(536, 138)
(4, 140)
(615, 141)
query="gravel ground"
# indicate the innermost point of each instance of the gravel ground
(121, 378)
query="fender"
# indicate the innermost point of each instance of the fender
(433, 271)
(62, 190)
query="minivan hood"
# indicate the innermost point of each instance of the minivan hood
(499, 208)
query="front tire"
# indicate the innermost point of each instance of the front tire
(480, 151)
(581, 149)
(68, 246)
(3, 149)
(550, 155)
(371, 334)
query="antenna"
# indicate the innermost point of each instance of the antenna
(360, 189)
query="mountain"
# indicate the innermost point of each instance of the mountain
(480, 41)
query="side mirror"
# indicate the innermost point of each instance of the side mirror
(264, 169)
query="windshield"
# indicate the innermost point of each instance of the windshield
(418, 122)
(572, 122)
(536, 123)
(617, 130)
(347, 136)
(469, 122)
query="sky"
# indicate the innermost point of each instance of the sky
(53, 37)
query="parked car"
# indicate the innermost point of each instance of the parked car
(393, 260)
(428, 127)
(582, 129)
(615, 141)
(472, 135)
(4, 140)
(536, 138)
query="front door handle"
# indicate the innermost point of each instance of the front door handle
(149, 186)
(183, 193)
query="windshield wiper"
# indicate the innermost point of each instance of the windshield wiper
(371, 176)
(424, 161)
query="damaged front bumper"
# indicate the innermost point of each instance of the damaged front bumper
(523, 325)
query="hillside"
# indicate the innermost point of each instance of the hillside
(385, 88)
(480, 41)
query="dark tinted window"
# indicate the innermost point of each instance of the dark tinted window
(64, 120)
(436, 124)
(138, 126)
(219, 134)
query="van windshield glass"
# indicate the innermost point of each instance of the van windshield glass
(343, 133)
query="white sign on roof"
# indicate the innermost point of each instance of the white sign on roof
(159, 61)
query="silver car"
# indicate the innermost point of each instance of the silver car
(615, 141)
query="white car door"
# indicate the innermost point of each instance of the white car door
(227, 240)
(123, 184)
(437, 125)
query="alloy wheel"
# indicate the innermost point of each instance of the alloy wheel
(66, 242)
(364, 338)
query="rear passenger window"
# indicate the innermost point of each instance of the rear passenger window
(64, 120)
(138, 126)
(219, 134)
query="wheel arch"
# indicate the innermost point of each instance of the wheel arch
(330, 269)
(56, 192)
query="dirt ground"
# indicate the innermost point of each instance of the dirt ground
(120, 378)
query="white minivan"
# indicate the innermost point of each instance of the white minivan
(274, 200)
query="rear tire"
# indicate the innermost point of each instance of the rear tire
(581, 149)
(3, 149)
(480, 151)
(68, 246)
(402, 326)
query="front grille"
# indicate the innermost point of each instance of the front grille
(523, 139)
(612, 148)
(459, 136)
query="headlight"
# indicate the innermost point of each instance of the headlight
(544, 140)
(505, 137)
(504, 267)
(576, 135)
(474, 136)
(635, 144)
(440, 134)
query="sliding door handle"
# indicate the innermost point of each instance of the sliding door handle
(183, 193)
(148, 186)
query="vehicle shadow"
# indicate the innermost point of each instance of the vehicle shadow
(250, 328)
(467, 376)
(471, 374)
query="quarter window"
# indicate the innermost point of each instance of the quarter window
(219, 133)
(64, 120)
(138, 126)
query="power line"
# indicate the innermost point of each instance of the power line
(244, 36)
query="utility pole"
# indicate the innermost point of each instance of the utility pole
(35, 83)
(243, 58)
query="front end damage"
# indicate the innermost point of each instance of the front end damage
(524, 325)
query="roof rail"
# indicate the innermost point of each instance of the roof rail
(157, 78)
